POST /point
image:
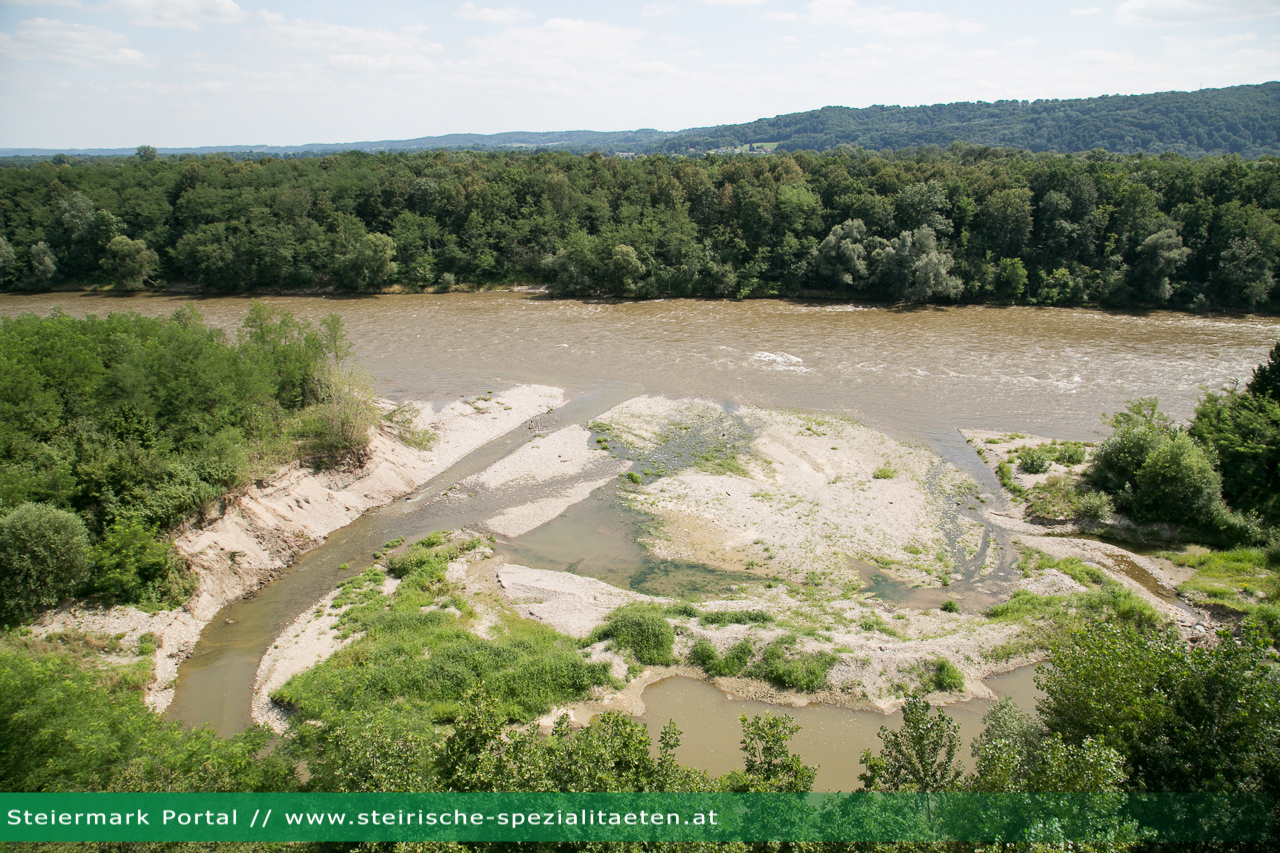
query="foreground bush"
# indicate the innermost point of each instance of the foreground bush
(44, 557)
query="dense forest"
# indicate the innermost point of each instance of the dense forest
(962, 224)
(114, 430)
(1237, 120)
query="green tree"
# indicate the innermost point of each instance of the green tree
(44, 267)
(1266, 377)
(768, 764)
(1003, 223)
(919, 757)
(146, 153)
(841, 258)
(1159, 256)
(129, 262)
(44, 557)
(7, 259)
(914, 268)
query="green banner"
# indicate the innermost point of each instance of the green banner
(983, 818)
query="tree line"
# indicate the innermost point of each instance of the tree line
(961, 224)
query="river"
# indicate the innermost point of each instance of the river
(918, 373)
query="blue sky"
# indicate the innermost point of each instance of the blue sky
(116, 73)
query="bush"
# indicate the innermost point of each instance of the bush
(645, 632)
(950, 606)
(1093, 506)
(44, 557)
(1138, 431)
(1177, 483)
(704, 655)
(133, 566)
(942, 676)
(800, 671)
(1034, 460)
(1068, 452)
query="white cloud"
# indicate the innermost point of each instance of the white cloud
(556, 41)
(779, 16)
(73, 4)
(346, 48)
(43, 40)
(732, 2)
(1076, 13)
(1163, 13)
(654, 11)
(1026, 41)
(886, 19)
(182, 14)
(505, 15)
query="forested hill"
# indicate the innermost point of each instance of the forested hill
(1242, 120)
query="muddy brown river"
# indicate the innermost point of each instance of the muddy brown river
(919, 373)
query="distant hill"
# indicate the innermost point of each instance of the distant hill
(573, 140)
(1242, 120)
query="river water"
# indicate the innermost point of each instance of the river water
(918, 374)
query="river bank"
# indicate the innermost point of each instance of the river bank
(259, 531)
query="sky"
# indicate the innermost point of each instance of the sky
(187, 73)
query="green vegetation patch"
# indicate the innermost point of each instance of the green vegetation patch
(70, 723)
(732, 663)
(1244, 580)
(1004, 473)
(1034, 460)
(1049, 619)
(735, 617)
(940, 675)
(642, 629)
(415, 660)
(711, 441)
(792, 670)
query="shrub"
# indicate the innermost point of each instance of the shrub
(133, 565)
(704, 655)
(1093, 506)
(44, 557)
(1177, 483)
(884, 472)
(941, 676)
(950, 606)
(634, 477)
(1138, 431)
(1034, 460)
(806, 672)
(644, 631)
(1068, 452)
